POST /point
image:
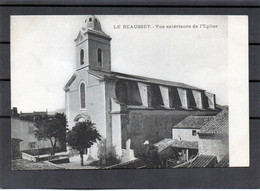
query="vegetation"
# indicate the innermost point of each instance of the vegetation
(82, 136)
(149, 154)
(52, 128)
(61, 117)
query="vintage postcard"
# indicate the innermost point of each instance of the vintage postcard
(129, 91)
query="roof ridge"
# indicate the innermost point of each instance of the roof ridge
(162, 80)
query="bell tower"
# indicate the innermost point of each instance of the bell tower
(93, 47)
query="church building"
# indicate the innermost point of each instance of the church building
(128, 110)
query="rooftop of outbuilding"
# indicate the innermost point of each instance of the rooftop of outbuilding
(218, 125)
(168, 142)
(201, 161)
(193, 122)
(223, 163)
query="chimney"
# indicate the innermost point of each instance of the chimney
(14, 112)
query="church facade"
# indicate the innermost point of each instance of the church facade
(128, 110)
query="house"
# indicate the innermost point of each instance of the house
(22, 133)
(127, 109)
(188, 128)
(213, 150)
(213, 136)
(183, 145)
(177, 150)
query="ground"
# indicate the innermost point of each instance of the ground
(75, 163)
(22, 164)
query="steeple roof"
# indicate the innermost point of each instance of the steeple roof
(92, 25)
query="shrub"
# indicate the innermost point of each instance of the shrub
(149, 154)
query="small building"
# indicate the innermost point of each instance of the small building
(183, 145)
(22, 133)
(188, 128)
(213, 136)
(177, 150)
(213, 144)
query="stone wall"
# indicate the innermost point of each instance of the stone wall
(213, 145)
(185, 134)
(152, 125)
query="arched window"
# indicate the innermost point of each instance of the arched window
(82, 96)
(81, 57)
(99, 54)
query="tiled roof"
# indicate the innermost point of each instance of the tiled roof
(141, 79)
(133, 164)
(167, 142)
(223, 163)
(193, 122)
(163, 144)
(35, 113)
(218, 125)
(185, 144)
(185, 164)
(40, 112)
(153, 81)
(203, 161)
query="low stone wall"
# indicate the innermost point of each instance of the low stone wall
(42, 151)
(60, 160)
(57, 158)
(29, 157)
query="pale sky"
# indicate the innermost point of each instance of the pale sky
(43, 54)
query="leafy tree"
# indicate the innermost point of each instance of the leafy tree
(149, 154)
(82, 136)
(51, 128)
(61, 117)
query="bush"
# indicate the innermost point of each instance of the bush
(112, 160)
(106, 161)
(149, 154)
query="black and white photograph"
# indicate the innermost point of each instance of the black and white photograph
(105, 92)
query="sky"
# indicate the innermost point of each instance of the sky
(43, 54)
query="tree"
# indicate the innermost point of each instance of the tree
(51, 128)
(61, 117)
(82, 136)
